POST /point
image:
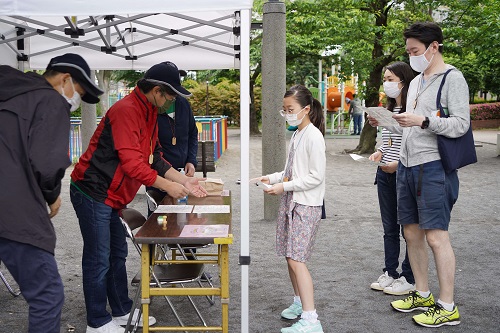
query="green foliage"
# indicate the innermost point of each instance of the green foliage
(223, 99)
(129, 77)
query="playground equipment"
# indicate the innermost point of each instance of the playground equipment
(336, 105)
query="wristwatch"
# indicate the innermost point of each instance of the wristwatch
(425, 123)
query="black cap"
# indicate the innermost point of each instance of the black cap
(79, 70)
(166, 73)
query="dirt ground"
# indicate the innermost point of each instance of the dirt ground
(348, 254)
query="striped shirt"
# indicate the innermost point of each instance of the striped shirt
(391, 143)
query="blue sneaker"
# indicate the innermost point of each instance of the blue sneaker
(292, 312)
(304, 326)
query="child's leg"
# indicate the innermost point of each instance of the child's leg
(302, 283)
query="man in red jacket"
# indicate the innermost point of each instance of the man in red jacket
(34, 143)
(123, 154)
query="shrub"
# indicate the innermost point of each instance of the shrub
(485, 111)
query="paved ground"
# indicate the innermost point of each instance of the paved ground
(348, 254)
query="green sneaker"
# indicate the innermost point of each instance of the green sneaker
(304, 326)
(437, 316)
(292, 312)
(413, 302)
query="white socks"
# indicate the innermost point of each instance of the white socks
(447, 306)
(310, 316)
(424, 294)
(296, 299)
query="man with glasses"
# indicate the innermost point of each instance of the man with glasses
(123, 154)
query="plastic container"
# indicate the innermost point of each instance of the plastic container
(183, 200)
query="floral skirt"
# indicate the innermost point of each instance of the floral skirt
(296, 228)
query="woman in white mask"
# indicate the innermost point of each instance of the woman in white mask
(397, 78)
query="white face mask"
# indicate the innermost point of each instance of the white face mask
(291, 118)
(419, 63)
(75, 100)
(391, 89)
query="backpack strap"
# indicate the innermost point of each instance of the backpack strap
(438, 98)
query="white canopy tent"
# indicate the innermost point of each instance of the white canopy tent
(129, 34)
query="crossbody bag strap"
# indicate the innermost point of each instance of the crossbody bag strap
(438, 98)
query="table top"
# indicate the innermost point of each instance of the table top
(153, 232)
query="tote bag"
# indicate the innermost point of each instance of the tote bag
(455, 152)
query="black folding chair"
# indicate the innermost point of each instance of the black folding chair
(161, 275)
(14, 293)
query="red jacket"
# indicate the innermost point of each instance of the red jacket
(116, 162)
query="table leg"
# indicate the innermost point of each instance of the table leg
(145, 279)
(224, 281)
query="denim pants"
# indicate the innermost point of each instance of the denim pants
(357, 118)
(35, 271)
(103, 262)
(387, 198)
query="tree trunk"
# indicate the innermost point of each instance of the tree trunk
(254, 123)
(103, 80)
(367, 139)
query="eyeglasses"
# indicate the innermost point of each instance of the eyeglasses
(283, 113)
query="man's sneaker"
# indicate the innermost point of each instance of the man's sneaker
(437, 316)
(111, 327)
(399, 287)
(122, 321)
(304, 326)
(383, 281)
(413, 302)
(292, 312)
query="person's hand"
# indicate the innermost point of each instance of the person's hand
(406, 119)
(54, 208)
(372, 121)
(391, 167)
(192, 184)
(189, 169)
(276, 189)
(376, 156)
(175, 190)
(263, 179)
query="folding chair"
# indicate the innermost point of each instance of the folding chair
(153, 199)
(161, 275)
(9, 288)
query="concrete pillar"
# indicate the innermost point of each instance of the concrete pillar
(498, 144)
(89, 123)
(273, 89)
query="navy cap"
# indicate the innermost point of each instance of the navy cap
(79, 70)
(166, 73)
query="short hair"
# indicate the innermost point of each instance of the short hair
(425, 32)
(146, 86)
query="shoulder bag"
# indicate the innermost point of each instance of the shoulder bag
(455, 152)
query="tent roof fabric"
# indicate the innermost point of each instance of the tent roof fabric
(194, 34)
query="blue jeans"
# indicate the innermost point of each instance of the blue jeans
(35, 271)
(387, 198)
(357, 118)
(103, 261)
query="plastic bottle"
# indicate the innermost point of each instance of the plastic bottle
(183, 200)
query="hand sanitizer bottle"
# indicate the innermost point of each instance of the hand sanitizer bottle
(182, 201)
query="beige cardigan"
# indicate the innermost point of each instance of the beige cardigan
(308, 171)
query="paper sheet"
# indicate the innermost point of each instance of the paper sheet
(359, 158)
(383, 116)
(212, 230)
(198, 209)
(163, 209)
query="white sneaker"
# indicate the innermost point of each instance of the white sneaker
(383, 281)
(399, 287)
(110, 327)
(123, 319)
